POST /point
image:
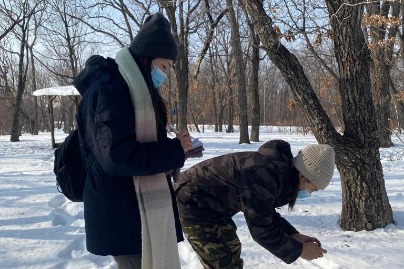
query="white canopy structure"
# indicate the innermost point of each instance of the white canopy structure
(52, 92)
(59, 90)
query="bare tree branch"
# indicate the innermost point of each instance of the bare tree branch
(208, 40)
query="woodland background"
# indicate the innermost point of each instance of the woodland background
(332, 67)
(46, 43)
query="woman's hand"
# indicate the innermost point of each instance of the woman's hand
(312, 251)
(185, 140)
(311, 247)
(305, 239)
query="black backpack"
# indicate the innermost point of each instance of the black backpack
(70, 168)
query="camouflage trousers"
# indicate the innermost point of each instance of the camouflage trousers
(217, 246)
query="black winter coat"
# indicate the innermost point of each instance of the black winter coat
(255, 183)
(106, 124)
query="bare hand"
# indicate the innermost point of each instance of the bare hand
(185, 140)
(302, 238)
(312, 251)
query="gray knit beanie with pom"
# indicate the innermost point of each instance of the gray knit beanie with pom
(316, 163)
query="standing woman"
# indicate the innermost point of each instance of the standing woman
(129, 209)
(255, 183)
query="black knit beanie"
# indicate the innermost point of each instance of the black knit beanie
(154, 39)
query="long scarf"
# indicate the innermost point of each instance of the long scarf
(159, 241)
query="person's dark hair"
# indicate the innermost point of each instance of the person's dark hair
(295, 188)
(159, 105)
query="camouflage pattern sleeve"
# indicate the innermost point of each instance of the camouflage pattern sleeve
(286, 227)
(258, 192)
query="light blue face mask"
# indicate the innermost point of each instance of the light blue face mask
(302, 194)
(158, 76)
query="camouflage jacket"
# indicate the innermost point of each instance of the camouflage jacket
(255, 183)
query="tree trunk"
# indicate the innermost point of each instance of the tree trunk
(51, 120)
(253, 87)
(401, 32)
(181, 66)
(230, 109)
(398, 105)
(15, 128)
(365, 204)
(181, 71)
(215, 93)
(44, 116)
(220, 119)
(239, 72)
(35, 116)
(70, 113)
(381, 97)
(215, 114)
(382, 58)
(194, 121)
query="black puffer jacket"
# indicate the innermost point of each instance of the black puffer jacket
(106, 124)
(255, 183)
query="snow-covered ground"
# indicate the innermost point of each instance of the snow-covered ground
(41, 229)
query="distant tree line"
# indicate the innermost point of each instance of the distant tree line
(46, 43)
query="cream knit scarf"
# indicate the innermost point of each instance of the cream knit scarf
(159, 241)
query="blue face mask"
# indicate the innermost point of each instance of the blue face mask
(303, 194)
(158, 76)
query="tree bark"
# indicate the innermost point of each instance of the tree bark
(398, 104)
(239, 72)
(382, 58)
(35, 116)
(230, 109)
(254, 85)
(15, 127)
(181, 66)
(381, 97)
(365, 204)
(401, 32)
(215, 94)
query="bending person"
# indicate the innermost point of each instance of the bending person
(210, 193)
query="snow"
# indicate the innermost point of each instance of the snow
(41, 229)
(58, 90)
